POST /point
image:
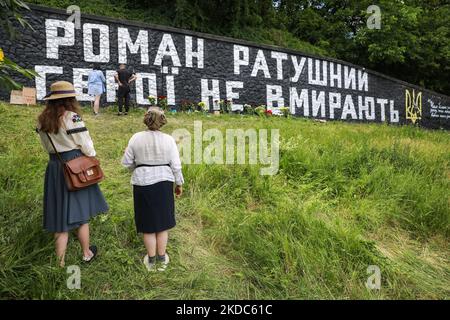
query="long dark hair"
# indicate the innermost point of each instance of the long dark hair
(50, 118)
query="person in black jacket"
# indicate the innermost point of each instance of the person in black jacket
(124, 78)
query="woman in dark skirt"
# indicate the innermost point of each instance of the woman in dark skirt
(154, 159)
(63, 210)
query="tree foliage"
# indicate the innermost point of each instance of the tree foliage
(10, 11)
(413, 43)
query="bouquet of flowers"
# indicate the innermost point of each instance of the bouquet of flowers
(202, 106)
(225, 106)
(222, 106)
(285, 111)
(248, 109)
(217, 106)
(260, 111)
(187, 106)
(162, 103)
(152, 100)
(228, 105)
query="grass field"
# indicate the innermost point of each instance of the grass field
(347, 196)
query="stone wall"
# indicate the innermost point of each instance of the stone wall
(188, 66)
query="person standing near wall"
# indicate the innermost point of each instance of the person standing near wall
(155, 161)
(64, 210)
(96, 86)
(124, 78)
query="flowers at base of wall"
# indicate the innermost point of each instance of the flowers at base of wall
(229, 105)
(216, 105)
(2, 55)
(187, 106)
(248, 109)
(261, 110)
(152, 100)
(203, 107)
(222, 106)
(162, 103)
(226, 106)
(285, 111)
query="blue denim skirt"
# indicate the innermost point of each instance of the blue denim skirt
(64, 210)
(96, 89)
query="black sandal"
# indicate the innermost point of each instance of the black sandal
(94, 254)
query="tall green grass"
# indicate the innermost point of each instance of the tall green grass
(347, 196)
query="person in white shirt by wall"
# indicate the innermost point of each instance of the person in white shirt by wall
(64, 210)
(154, 159)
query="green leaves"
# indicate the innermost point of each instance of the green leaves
(413, 43)
(9, 67)
(10, 11)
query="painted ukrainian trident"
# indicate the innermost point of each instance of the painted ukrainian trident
(413, 104)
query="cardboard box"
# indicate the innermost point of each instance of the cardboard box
(25, 96)
(16, 97)
(29, 95)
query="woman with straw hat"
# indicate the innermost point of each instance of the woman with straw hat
(154, 159)
(64, 211)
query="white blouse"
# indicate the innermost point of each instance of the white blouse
(72, 134)
(153, 148)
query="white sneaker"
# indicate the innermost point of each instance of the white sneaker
(151, 266)
(164, 263)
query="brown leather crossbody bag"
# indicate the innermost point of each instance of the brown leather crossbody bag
(80, 172)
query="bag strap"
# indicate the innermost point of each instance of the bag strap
(54, 148)
(152, 165)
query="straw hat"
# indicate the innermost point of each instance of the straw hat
(61, 89)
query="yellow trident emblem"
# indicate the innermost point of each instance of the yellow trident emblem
(413, 104)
